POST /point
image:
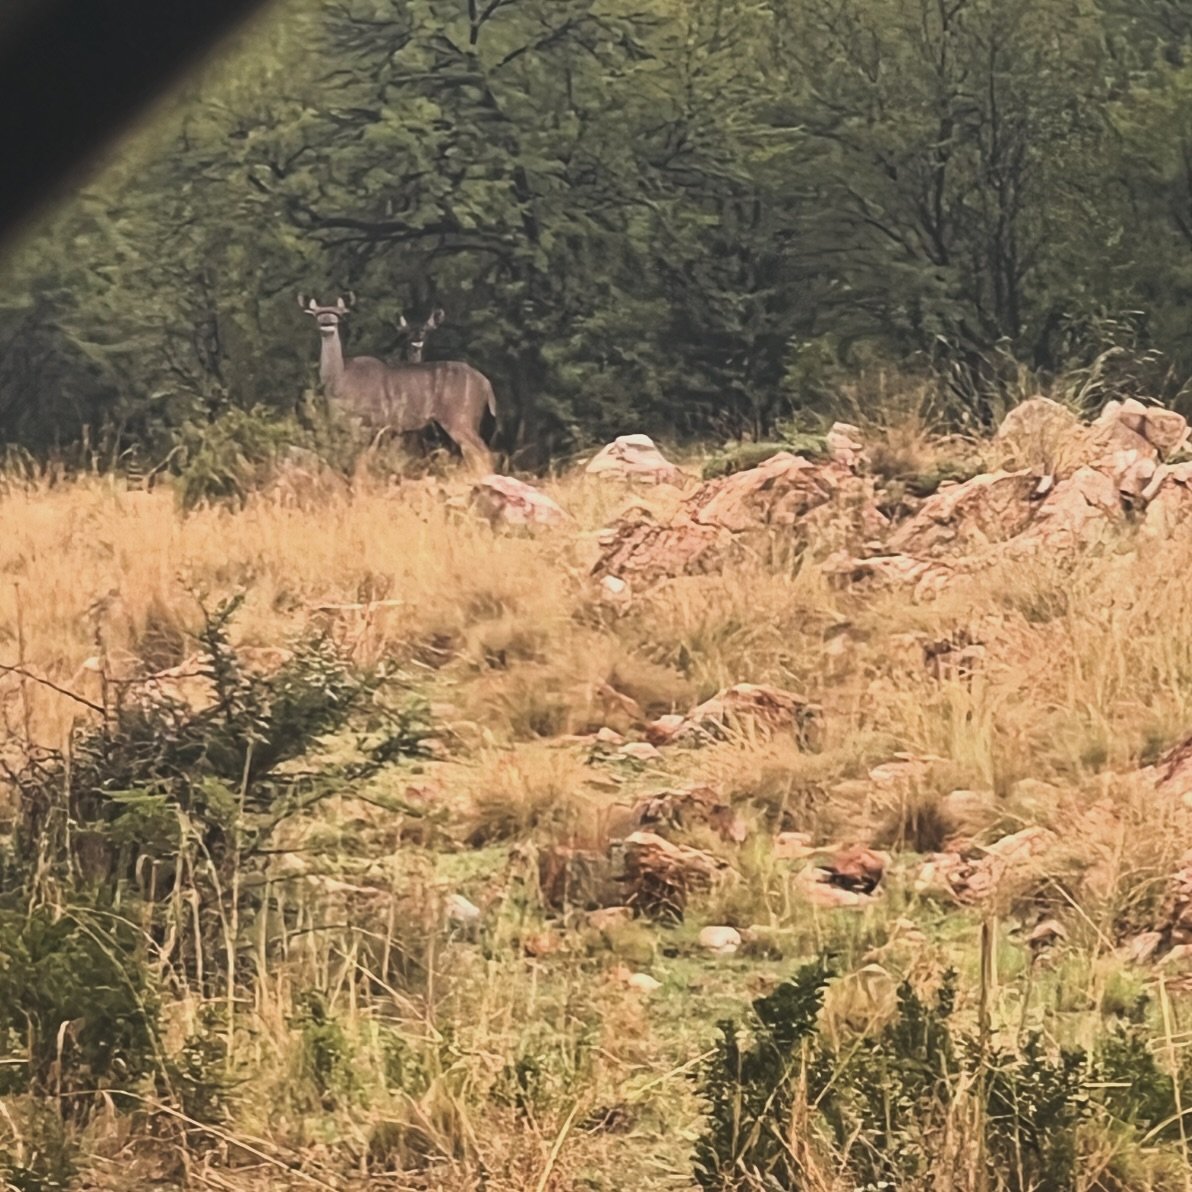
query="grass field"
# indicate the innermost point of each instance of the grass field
(359, 1035)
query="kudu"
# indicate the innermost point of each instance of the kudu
(414, 334)
(403, 397)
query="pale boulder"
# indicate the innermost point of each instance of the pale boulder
(1034, 431)
(987, 509)
(462, 912)
(1165, 430)
(643, 983)
(506, 500)
(720, 941)
(634, 457)
(616, 593)
(845, 444)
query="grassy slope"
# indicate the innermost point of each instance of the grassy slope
(1090, 674)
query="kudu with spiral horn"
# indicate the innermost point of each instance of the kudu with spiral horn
(403, 397)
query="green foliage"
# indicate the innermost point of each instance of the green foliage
(326, 1055)
(160, 788)
(45, 1160)
(197, 1075)
(78, 1013)
(893, 1091)
(683, 219)
(742, 456)
(751, 1091)
(233, 456)
(889, 1101)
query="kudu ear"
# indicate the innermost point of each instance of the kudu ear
(402, 325)
(436, 318)
(351, 301)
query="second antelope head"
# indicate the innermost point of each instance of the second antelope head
(415, 334)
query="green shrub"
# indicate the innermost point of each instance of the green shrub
(234, 455)
(160, 787)
(884, 1107)
(44, 1157)
(751, 1091)
(197, 1077)
(78, 1011)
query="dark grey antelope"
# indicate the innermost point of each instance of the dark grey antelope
(414, 334)
(403, 397)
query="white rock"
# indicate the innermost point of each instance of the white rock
(643, 983)
(845, 444)
(721, 941)
(616, 592)
(462, 912)
(633, 457)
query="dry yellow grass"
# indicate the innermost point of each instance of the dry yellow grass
(1088, 671)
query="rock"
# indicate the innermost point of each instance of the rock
(792, 846)
(782, 493)
(1168, 500)
(1021, 847)
(820, 894)
(1035, 430)
(1075, 514)
(857, 869)
(462, 912)
(581, 878)
(846, 445)
(683, 809)
(616, 710)
(608, 917)
(967, 517)
(1144, 947)
(648, 550)
(506, 500)
(1044, 934)
(542, 943)
(975, 874)
(661, 875)
(720, 941)
(1165, 430)
(640, 751)
(643, 983)
(634, 457)
(926, 577)
(616, 593)
(664, 730)
(750, 709)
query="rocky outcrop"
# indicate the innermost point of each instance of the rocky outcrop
(1084, 488)
(787, 493)
(969, 516)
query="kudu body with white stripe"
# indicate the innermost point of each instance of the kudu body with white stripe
(403, 397)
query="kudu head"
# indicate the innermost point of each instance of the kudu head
(327, 317)
(415, 334)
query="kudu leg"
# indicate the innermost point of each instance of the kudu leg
(473, 448)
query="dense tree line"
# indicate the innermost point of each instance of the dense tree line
(687, 218)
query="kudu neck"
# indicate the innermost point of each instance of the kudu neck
(331, 360)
